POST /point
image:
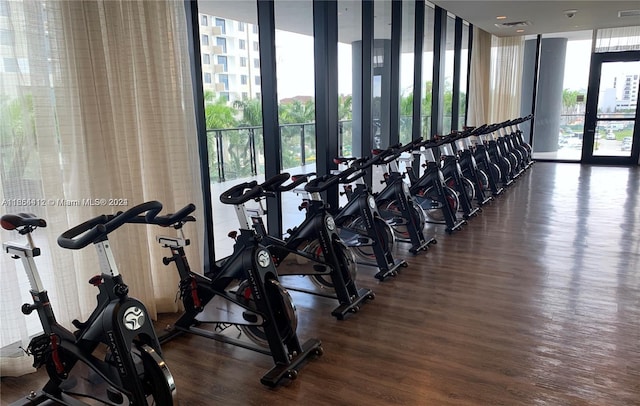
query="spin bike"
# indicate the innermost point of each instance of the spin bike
(113, 357)
(519, 142)
(361, 225)
(396, 204)
(485, 162)
(454, 176)
(315, 240)
(439, 201)
(464, 150)
(247, 284)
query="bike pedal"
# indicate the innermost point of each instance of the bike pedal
(250, 317)
(78, 324)
(114, 395)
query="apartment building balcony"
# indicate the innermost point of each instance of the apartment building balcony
(216, 49)
(219, 87)
(218, 68)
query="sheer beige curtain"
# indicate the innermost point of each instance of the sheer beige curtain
(507, 57)
(96, 104)
(480, 77)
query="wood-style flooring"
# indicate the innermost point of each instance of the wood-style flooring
(535, 302)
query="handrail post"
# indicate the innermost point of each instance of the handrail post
(340, 137)
(218, 136)
(252, 152)
(302, 157)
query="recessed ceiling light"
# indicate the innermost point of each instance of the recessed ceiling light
(519, 30)
(501, 17)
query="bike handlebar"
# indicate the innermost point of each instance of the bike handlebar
(237, 194)
(321, 183)
(297, 180)
(170, 219)
(95, 229)
(273, 183)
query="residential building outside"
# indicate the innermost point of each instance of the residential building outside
(224, 58)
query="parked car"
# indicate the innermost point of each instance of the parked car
(611, 135)
(626, 144)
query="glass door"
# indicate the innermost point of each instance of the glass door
(612, 134)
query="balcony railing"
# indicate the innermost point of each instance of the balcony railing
(238, 152)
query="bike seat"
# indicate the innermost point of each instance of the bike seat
(13, 221)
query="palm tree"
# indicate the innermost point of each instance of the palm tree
(344, 107)
(297, 112)
(218, 114)
(251, 112)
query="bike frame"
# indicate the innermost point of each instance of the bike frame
(118, 321)
(320, 225)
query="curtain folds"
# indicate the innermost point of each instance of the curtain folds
(507, 57)
(480, 77)
(96, 103)
(495, 78)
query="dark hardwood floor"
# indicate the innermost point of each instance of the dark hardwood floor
(535, 302)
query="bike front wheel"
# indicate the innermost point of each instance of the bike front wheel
(284, 310)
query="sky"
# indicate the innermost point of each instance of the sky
(295, 66)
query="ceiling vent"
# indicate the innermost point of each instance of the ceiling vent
(514, 24)
(629, 13)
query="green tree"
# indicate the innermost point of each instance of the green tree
(251, 112)
(406, 105)
(569, 99)
(345, 105)
(297, 112)
(218, 114)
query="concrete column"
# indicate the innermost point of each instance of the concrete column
(549, 95)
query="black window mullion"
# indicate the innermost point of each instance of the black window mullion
(269, 93)
(193, 24)
(439, 49)
(325, 30)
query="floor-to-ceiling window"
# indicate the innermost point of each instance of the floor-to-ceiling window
(296, 95)
(233, 107)
(427, 71)
(407, 60)
(381, 69)
(447, 77)
(464, 70)
(349, 33)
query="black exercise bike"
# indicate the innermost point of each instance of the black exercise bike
(245, 285)
(320, 253)
(113, 357)
(396, 204)
(361, 226)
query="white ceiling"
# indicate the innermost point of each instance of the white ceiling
(545, 16)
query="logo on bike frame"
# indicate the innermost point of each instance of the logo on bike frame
(133, 318)
(264, 258)
(331, 225)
